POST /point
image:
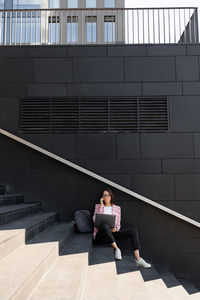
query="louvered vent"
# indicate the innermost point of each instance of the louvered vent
(93, 115)
(65, 115)
(123, 114)
(111, 114)
(35, 115)
(153, 114)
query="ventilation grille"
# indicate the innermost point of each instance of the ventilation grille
(35, 115)
(69, 115)
(123, 114)
(93, 115)
(153, 114)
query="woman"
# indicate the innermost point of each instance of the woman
(104, 234)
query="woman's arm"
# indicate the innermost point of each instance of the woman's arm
(98, 209)
(118, 218)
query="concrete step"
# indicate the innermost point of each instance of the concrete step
(21, 271)
(139, 283)
(70, 277)
(15, 234)
(130, 282)
(191, 289)
(180, 288)
(11, 199)
(173, 284)
(66, 278)
(2, 189)
(193, 297)
(101, 281)
(110, 279)
(13, 212)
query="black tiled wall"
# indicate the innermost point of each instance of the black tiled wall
(162, 166)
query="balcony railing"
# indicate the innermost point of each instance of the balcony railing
(99, 26)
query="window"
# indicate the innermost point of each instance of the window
(1, 4)
(91, 4)
(54, 29)
(54, 3)
(2, 23)
(109, 3)
(23, 4)
(91, 29)
(72, 29)
(26, 27)
(72, 3)
(109, 29)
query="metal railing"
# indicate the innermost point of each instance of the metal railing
(100, 178)
(99, 26)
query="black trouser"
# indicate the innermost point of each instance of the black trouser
(105, 236)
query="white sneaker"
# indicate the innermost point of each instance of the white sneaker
(141, 263)
(118, 254)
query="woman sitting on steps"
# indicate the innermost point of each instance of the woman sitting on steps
(104, 234)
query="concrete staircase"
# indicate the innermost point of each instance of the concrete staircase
(41, 258)
(70, 277)
(30, 241)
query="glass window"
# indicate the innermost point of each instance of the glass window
(23, 4)
(72, 29)
(109, 29)
(26, 27)
(72, 3)
(1, 4)
(2, 27)
(91, 29)
(109, 3)
(91, 4)
(54, 29)
(54, 3)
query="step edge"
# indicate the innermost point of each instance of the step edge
(80, 289)
(55, 247)
(22, 233)
(22, 205)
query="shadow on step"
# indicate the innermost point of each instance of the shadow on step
(101, 254)
(128, 264)
(171, 281)
(189, 287)
(78, 243)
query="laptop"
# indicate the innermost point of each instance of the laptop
(105, 218)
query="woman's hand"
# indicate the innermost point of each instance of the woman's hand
(101, 202)
(114, 229)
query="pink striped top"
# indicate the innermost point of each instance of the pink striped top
(116, 210)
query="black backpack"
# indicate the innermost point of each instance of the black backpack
(83, 221)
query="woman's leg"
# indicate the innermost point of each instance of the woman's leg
(132, 234)
(105, 236)
(136, 254)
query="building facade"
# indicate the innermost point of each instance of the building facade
(66, 22)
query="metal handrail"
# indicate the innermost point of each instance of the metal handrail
(99, 26)
(98, 9)
(101, 179)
